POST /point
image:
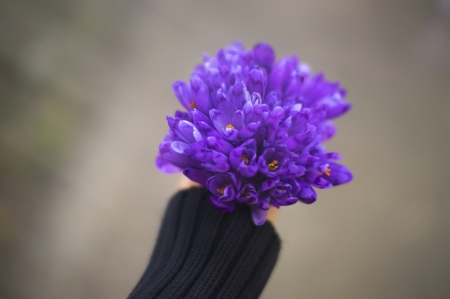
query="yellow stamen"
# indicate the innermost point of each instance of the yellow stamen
(222, 190)
(245, 159)
(230, 126)
(273, 166)
(245, 194)
(192, 105)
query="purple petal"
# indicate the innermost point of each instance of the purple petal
(225, 106)
(269, 184)
(256, 81)
(207, 130)
(307, 194)
(179, 147)
(276, 114)
(296, 142)
(336, 106)
(274, 161)
(212, 160)
(290, 201)
(327, 131)
(283, 128)
(259, 216)
(238, 120)
(299, 123)
(294, 86)
(239, 95)
(338, 175)
(248, 131)
(248, 112)
(223, 186)
(263, 54)
(306, 159)
(230, 133)
(225, 207)
(219, 145)
(243, 160)
(295, 109)
(250, 144)
(236, 156)
(281, 73)
(247, 194)
(280, 193)
(200, 93)
(318, 180)
(166, 166)
(198, 117)
(256, 99)
(220, 120)
(183, 94)
(295, 187)
(295, 170)
(184, 115)
(189, 131)
(284, 201)
(333, 156)
(199, 176)
(174, 153)
(273, 99)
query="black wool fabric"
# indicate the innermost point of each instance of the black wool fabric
(203, 253)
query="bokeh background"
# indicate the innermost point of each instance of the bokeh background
(85, 86)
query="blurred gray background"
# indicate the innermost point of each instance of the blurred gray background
(84, 90)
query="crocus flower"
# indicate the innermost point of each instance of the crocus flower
(252, 130)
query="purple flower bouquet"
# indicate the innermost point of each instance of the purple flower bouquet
(253, 130)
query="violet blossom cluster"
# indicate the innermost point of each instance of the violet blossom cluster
(253, 130)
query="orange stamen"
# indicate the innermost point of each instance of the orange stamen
(327, 172)
(230, 126)
(273, 166)
(245, 159)
(221, 190)
(192, 105)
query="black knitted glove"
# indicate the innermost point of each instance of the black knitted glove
(204, 253)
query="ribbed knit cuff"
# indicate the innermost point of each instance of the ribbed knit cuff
(203, 253)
